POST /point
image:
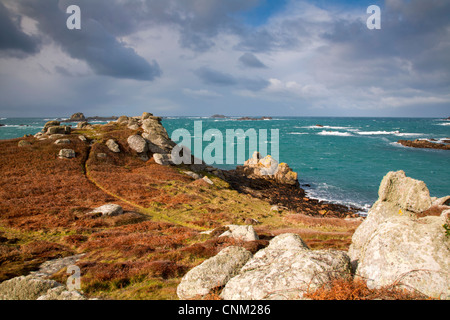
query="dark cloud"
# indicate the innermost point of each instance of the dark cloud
(217, 78)
(251, 61)
(13, 41)
(214, 77)
(100, 48)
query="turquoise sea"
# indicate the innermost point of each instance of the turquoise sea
(343, 160)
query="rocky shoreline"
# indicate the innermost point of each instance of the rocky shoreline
(247, 233)
(426, 144)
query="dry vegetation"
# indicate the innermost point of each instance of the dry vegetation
(144, 253)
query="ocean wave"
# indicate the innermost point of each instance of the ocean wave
(335, 133)
(328, 127)
(443, 124)
(406, 134)
(299, 133)
(374, 133)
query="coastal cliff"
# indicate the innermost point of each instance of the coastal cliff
(111, 196)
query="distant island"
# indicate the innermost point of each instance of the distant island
(219, 116)
(79, 117)
(253, 119)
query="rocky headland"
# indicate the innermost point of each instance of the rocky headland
(109, 199)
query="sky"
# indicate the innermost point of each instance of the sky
(230, 57)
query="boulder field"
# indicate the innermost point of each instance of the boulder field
(403, 242)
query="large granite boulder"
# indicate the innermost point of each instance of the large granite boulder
(25, 288)
(244, 233)
(51, 123)
(411, 253)
(213, 273)
(285, 270)
(137, 143)
(109, 210)
(405, 192)
(397, 195)
(398, 244)
(66, 154)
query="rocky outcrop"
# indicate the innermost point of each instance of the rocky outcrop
(268, 168)
(212, 273)
(51, 123)
(399, 244)
(424, 144)
(77, 117)
(285, 270)
(156, 135)
(36, 286)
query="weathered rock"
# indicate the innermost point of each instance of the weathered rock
(408, 193)
(61, 293)
(113, 146)
(146, 115)
(162, 159)
(394, 244)
(77, 117)
(244, 233)
(82, 124)
(212, 273)
(122, 119)
(155, 133)
(444, 201)
(108, 210)
(25, 288)
(82, 138)
(286, 269)
(62, 141)
(137, 143)
(398, 195)
(268, 168)
(52, 123)
(23, 143)
(51, 267)
(192, 174)
(66, 154)
(59, 130)
(208, 180)
(414, 253)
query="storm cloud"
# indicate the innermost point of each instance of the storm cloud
(307, 57)
(13, 41)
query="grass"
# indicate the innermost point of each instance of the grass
(144, 253)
